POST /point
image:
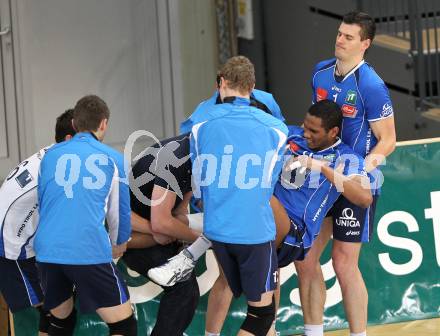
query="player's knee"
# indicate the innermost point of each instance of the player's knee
(44, 322)
(259, 319)
(62, 327)
(344, 264)
(126, 327)
(307, 269)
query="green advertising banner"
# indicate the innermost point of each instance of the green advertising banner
(401, 265)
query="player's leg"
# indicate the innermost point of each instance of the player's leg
(260, 316)
(177, 268)
(179, 302)
(282, 220)
(354, 293)
(120, 319)
(58, 291)
(352, 226)
(101, 288)
(219, 300)
(277, 294)
(63, 318)
(20, 286)
(311, 282)
(283, 226)
(259, 277)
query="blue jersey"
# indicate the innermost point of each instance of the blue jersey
(260, 99)
(307, 196)
(236, 151)
(362, 96)
(80, 187)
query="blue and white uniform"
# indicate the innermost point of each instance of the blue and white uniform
(307, 195)
(364, 99)
(81, 187)
(19, 209)
(19, 282)
(236, 152)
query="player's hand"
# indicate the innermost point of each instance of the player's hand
(118, 250)
(163, 239)
(310, 163)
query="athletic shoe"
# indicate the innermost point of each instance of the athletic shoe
(176, 269)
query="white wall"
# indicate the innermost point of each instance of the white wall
(198, 31)
(116, 49)
(152, 61)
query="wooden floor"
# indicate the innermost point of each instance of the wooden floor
(430, 38)
(414, 328)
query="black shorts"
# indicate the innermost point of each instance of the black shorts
(20, 283)
(249, 269)
(96, 286)
(142, 260)
(352, 223)
(292, 247)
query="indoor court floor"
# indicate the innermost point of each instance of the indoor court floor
(430, 327)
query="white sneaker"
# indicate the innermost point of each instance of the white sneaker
(176, 269)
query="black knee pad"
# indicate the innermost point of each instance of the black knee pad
(127, 327)
(44, 323)
(62, 327)
(259, 319)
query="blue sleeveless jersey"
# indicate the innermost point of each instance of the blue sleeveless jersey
(307, 196)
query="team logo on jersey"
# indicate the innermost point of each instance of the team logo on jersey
(387, 110)
(24, 178)
(349, 111)
(351, 97)
(347, 219)
(321, 94)
(293, 146)
(329, 157)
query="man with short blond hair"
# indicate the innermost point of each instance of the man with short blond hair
(243, 241)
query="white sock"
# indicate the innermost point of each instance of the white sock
(314, 329)
(211, 334)
(199, 247)
(359, 334)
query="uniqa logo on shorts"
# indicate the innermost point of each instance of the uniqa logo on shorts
(348, 219)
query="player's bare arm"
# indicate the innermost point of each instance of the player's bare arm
(162, 219)
(385, 132)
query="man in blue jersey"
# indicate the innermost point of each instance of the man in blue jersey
(235, 165)
(20, 283)
(80, 190)
(308, 187)
(368, 128)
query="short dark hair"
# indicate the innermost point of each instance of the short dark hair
(63, 126)
(329, 112)
(240, 74)
(89, 111)
(363, 20)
